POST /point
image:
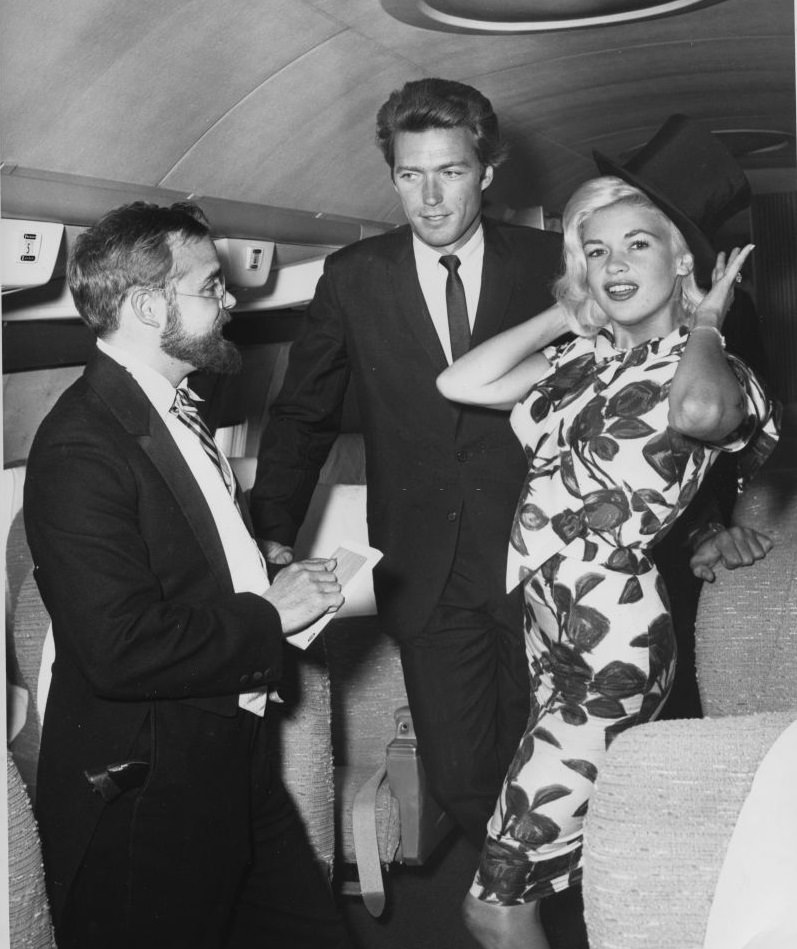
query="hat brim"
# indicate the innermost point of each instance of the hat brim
(700, 246)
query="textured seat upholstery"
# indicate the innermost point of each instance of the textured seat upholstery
(28, 911)
(669, 794)
(666, 803)
(26, 628)
(746, 643)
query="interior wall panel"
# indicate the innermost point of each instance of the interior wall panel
(774, 227)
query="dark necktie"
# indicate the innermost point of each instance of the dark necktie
(458, 325)
(185, 408)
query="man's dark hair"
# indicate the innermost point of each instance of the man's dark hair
(130, 246)
(440, 104)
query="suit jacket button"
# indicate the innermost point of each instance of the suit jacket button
(267, 673)
(257, 676)
(244, 680)
(452, 515)
(462, 455)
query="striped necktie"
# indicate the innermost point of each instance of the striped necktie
(458, 324)
(185, 408)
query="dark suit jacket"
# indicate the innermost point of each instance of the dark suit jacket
(146, 624)
(426, 458)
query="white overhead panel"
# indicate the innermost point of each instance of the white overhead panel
(246, 263)
(28, 252)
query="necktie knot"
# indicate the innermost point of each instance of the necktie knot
(184, 402)
(450, 262)
(186, 408)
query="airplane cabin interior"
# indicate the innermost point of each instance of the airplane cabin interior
(262, 113)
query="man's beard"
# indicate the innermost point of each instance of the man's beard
(210, 351)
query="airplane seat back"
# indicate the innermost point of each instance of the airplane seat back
(26, 627)
(27, 624)
(746, 627)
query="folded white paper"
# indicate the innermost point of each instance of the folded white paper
(355, 563)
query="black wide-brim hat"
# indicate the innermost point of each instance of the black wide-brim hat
(688, 173)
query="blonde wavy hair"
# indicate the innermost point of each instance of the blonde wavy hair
(571, 290)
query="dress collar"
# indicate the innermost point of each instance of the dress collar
(605, 349)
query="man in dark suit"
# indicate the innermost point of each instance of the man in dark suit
(163, 819)
(443, 480)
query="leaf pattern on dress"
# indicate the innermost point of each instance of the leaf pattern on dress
(630, 428)
(551, 792)
(619, 680)
(588, 423)
(661, 641)
(503, 871)
(623, 560)
(516, 538)
(658, 455)
(536, 830)
(532, 517)
(544, 735)
(583, 767)
(586, 627)
(562, 598)
(568, 474)
(642, 498)
(606, 509)
(604, 448)
(604, 707)
(574, 714)
(586, 583)
(634, 399)
(632, 591)
(649, 524)
(568, 525)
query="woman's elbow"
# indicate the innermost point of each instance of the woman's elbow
(704, 420)
(444, 385)
(453, 390)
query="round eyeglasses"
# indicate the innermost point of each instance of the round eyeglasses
(219, 296)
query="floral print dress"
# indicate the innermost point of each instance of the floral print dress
(607, 478)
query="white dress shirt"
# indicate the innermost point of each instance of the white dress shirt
(432, 276)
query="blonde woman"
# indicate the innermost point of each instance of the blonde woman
(620, 425)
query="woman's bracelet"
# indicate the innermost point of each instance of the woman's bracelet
(711, 329)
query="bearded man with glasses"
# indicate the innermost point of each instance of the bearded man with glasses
(163, 818)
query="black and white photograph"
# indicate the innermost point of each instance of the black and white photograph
(399, 460)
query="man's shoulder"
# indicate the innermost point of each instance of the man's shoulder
(74, 414)
(386, 245)
(81, 411)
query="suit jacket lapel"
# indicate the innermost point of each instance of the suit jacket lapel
(497, 283)
(405, 291)
(494, 297)
(136, 415)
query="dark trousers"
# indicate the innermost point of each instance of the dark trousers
(468, 687)
(156, 875)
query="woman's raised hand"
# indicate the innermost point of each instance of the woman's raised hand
(726, 274)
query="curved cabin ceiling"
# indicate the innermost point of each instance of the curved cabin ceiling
(273, 101)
